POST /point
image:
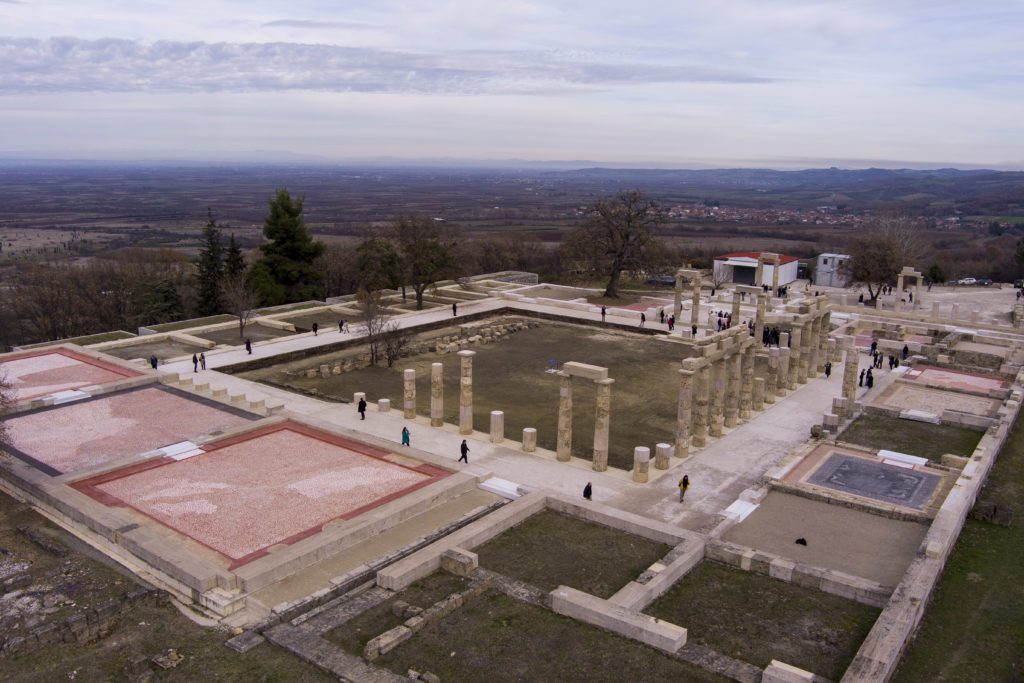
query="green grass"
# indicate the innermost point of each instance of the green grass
(922, 439)
(973, 630)
(756, 619)
(500, 640)
(550, 549)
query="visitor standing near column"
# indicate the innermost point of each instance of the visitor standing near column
(860, 382)
(362, 409)
(153, 362)
(195, 363)
(906, 351)
(405, 436)
(455, 310)
(248, 347)
(643, 319)
(684, 484)
(588, 490)
(870, 379)
(604, 312)
(464, 448)
(316, 328)
(828, 369)
(202, 360)
(661, 315)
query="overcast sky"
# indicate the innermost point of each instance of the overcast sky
(684, 83)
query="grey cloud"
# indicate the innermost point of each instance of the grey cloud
(70, 64)
(313, 24)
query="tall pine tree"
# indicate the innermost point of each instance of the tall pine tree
(234, 261)
(285, 272)
(210, 270)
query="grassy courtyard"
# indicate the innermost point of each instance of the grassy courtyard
(510, 376)
(551, 549)
(756, 619)
(922, 439)
(500, 640)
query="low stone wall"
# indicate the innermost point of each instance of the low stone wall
(826, 580)
(660, 577)
(611, 617)
(86, 626)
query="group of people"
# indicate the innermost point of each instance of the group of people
(770, 337)
(197, 362)
(723, 321)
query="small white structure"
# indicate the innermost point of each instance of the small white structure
(740, 267)
(827, 272)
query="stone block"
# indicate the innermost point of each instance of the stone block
(781, 569)
(459, 562)
(358, 396)
(497, 426)
(662, 456)
(414, 624)
(585, 371)
(780, 672)
(641, 463)
(384, 405)
(386, 642)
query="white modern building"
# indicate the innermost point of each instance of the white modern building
(828, 270)
(740, 267)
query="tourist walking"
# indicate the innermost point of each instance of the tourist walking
(195, 363)
(860, 382)
(643, 319)
(684, 484)
(341, 327)
(870, 379)
(828, 369)
(248, 347)
(405, 436)
(316, 328)
(153, 361)
(661, 315)
(906, 351)
(202, 360)
(604, 312)
(588, 491)
(455, 310)
(362, 408)
(464, 449)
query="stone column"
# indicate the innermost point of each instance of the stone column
(466, 392)
(935, 309)
(814, 365)
(850, 370)
(700, 415)
(601, 421)
(695, 310)
(678, 304)
(732, 390)
(771, 387)
(757, 396)
(409, 394)
(917, 293)
(803, 369)
(899, 286)
(662, 456)
(759, 273)
(759, 317)
(784, 362)
(529, 440)
(717, 398)
(564, 448)
(747, 388)
(824, 353)
(641, 463)
(735, 309)
(684, 414)
(776, 264)
(956, 312)
(436, 394)
(794, 358)
(497, 426)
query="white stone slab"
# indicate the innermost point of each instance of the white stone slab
(895, 456)
(60, 397)
(740, 510)
(920, 416)
(501, 487)
(901, 370)
(897, 463)
(181, 450)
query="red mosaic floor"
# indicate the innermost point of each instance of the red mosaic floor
(46, 372)
(964, 381)
(89, 433)
(275, 485)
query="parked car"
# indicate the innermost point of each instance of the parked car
(984, 281)
(967, 281)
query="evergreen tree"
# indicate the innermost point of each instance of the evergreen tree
(285, 272)
(210, 270)
(234, 261)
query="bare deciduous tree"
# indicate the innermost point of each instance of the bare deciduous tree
(241, 299)
(877, 256)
